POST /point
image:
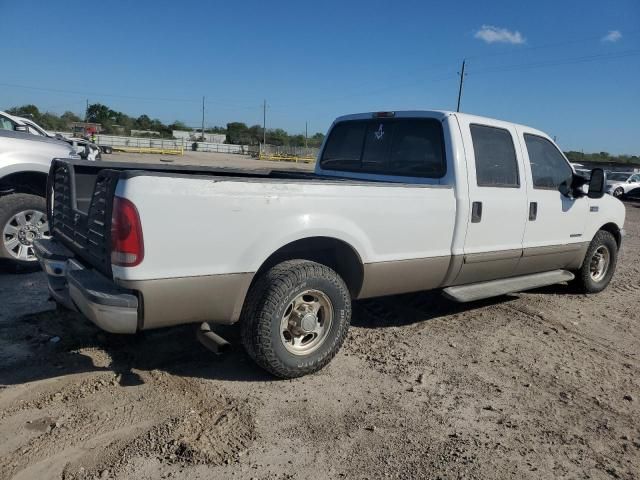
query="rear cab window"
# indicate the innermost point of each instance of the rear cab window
(495, 157)
(404, 147)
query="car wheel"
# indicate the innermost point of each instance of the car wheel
(618, 192)
(295, 318)
(23, 219)
(599, 263)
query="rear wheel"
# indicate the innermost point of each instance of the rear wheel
(599, 263)
(296, 318)
(23, 219)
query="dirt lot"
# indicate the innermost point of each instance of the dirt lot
(537, 385)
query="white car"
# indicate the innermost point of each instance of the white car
(623, 184)
(84, 148)
(25, 160)
(399, 202)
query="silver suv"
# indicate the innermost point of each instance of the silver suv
(25, 160)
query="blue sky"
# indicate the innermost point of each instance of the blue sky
(570, 68)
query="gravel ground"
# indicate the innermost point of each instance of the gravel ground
(543, 384)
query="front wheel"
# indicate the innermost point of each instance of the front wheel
(295, 318)
(618, 192)
(599, 263)
(23, 219)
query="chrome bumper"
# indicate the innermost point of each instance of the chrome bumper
(99, 299)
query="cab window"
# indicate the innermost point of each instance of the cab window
(409, 147)
(549, 168)
(495, 155)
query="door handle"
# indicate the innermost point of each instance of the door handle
(476, 212)
(533, 211)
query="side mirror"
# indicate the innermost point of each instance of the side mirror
(565, 189)
(597, 183)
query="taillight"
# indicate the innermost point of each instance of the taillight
(127, 246)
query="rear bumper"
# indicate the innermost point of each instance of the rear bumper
(110, 307)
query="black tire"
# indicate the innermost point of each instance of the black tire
(584, 278)
(618, 192)
(268, 300)
(107, 150)
(11, 205)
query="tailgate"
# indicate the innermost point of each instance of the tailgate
(79, 201)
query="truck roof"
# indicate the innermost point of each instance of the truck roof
(439, 114)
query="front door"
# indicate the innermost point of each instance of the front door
(555, 225)
(497, 201)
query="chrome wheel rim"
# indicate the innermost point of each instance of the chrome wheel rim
(306, 322)
(618, 192)
(599, 265)
(20, 232)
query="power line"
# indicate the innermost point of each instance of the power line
(113, 95)
(94, 94)
(519, 49)
(565, 61)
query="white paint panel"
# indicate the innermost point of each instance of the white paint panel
(504, 210)
(199, 226)
(560, 219)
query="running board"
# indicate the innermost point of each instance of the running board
(494, 288)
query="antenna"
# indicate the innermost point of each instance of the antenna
(461, 73)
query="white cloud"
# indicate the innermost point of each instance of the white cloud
(491, 34)
(612, 36)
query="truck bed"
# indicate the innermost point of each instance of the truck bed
(83, 192)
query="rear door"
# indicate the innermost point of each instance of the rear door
(497, 200)
(555, 224)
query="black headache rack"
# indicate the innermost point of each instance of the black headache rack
(79, 203)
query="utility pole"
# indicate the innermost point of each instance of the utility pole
(86, 112)
(306, 133)
(264, 123)
(203, 118)
(461, 73)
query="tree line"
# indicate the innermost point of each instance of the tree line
(601, 157)
(118, 123)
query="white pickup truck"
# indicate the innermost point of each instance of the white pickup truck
(399, 202)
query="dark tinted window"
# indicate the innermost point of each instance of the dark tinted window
(344, 147)
(496, 163)
(406, 147)
(618, 177)
(548, 166)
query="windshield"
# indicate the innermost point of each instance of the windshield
(619, 177)
(34, 128)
